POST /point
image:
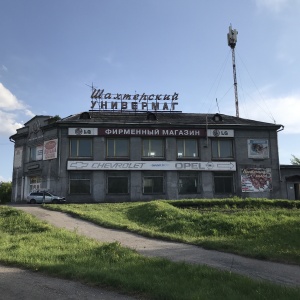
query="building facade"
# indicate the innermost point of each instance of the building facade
(114, 156)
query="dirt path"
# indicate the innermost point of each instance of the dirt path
(16, 284)
(258, 269)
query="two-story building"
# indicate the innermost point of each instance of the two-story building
(111, 156)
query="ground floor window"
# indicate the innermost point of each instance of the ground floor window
(223, 182)
(80, 183)
(117, 182)
(35, 183)
(153, 183)
(188, 182)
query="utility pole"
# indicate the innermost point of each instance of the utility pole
(232, 39)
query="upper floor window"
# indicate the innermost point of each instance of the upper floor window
(117, 148)
(187, 148)
(222, 148)
(36, 153)
(153, 147)
(81, 147)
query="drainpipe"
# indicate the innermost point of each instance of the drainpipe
(279, 171)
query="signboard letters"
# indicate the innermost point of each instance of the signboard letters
(152, 165)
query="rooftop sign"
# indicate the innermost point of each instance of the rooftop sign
(102, 100)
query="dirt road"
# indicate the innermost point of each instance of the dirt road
(276, 272)
(16, 284)
(257, 269)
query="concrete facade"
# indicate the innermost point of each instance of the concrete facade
(202, 156)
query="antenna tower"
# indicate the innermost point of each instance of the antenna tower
(232, 39)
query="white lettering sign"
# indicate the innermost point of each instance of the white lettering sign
(83, 131)
(152, 165)
(220, 133)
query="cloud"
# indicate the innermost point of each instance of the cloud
(276, 6)
(285, 111)
(272, 5)
(110, 60)
(2, 179)
(4, 68)
(11, 110)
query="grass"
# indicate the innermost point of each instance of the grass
(255, 230)
(30, 243)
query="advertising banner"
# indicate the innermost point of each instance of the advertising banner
(50, 149)
(18, 157)
(258, 148)
(83, 131)
(152, 165)
(256, 180)
(39, 152)
(220, 133)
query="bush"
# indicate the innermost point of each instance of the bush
(5, 192)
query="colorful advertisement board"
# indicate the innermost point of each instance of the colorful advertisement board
(50, 149)
(256, 180)
(258, 148)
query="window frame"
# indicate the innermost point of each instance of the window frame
(88, 176)
(219, 145)
(115, 147)
(224, 176)
(153, 175)
(151, 150)
(185, 140)
(34, 153)
(188, 175)
(117, 175)
(78, 140)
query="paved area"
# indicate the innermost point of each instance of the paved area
(258, 269)
(16, 284)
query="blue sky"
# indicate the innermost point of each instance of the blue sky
(52, 50)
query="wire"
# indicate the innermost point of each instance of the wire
(269, 113)
(219, 75)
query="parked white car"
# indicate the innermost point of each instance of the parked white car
(44, 197)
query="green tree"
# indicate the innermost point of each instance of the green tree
(5, 192)
(295, 160)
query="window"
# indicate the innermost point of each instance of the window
(80, 183)
(36, 153)
(223, 183)
(187, 148)
(222, 149)
(117, 182)
(35, 183)
(153, 183)
(188, 182)
(81, 147)
(153, 148)
(117, 148)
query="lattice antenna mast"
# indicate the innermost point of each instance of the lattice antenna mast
(232, 39)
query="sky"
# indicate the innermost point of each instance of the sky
(51, 52)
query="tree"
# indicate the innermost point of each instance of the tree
(295, 160)
(5, 191)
